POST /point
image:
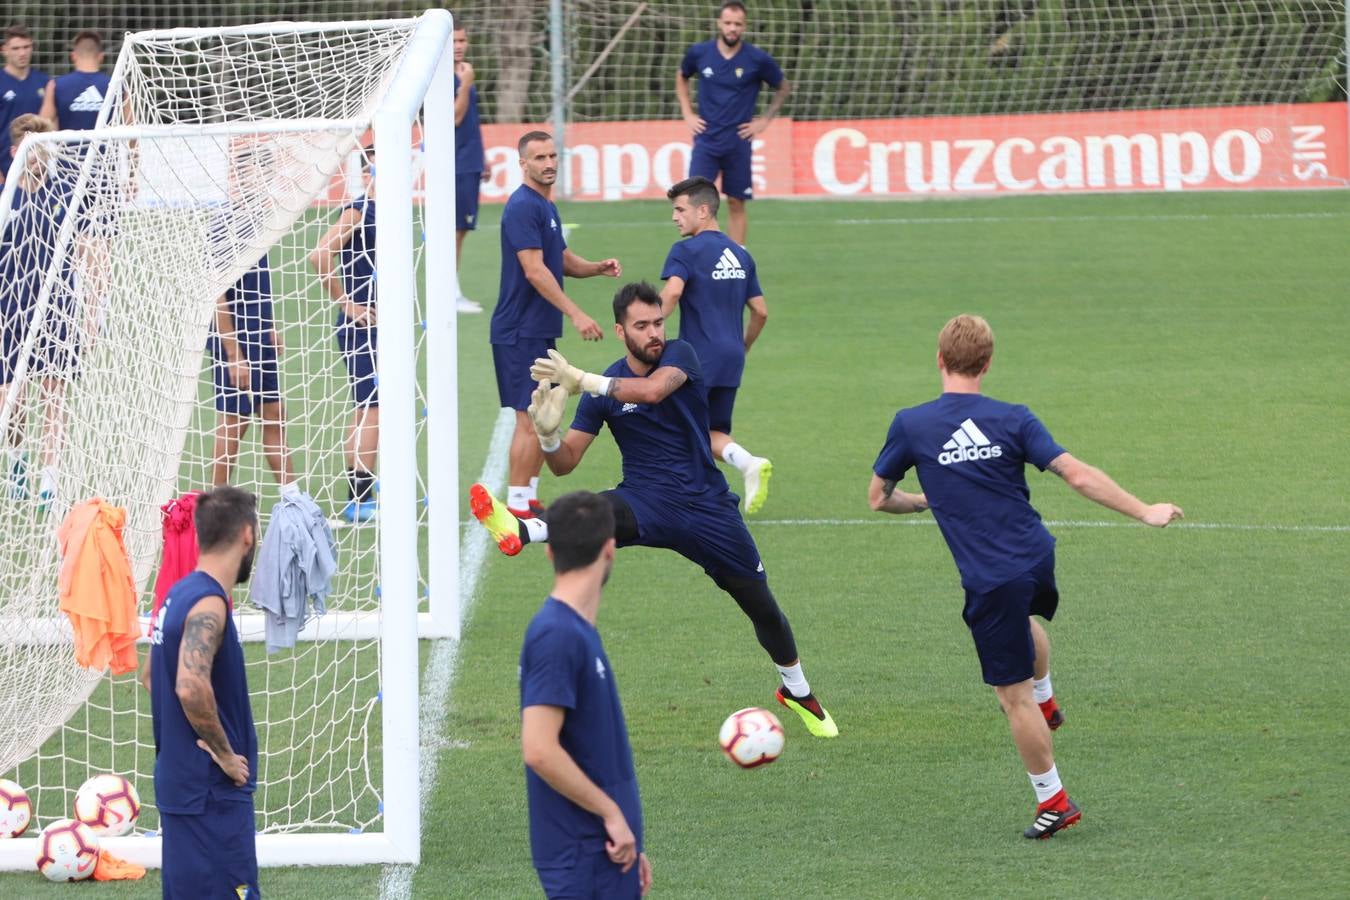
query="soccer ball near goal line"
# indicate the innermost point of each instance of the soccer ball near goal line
(67, 851)
(108, 804)
(751, 737)
(16, 810)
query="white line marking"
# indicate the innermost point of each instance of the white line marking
(396, 881)
(1018, 220)
(1072, 523)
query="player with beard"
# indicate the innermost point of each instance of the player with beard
(672, 494)
(531, 304)
(730, 71)
(206, 749)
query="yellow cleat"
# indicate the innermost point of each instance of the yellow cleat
(500, 522)
(818, 721)
(757, 484)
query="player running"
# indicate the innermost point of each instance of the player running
(672, 494)
(714, 279)
(970, 452)
(730, 71)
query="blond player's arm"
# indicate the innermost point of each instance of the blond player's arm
(759, 315)
(883, 497)
(1098, 487)
(671, 292)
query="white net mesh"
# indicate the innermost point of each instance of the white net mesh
(122, 251)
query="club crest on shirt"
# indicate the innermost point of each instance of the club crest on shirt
(739, 72)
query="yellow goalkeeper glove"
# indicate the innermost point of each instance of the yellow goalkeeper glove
(559, 371)
(546, 412)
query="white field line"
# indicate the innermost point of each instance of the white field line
(1159, 217)
(396, 881)
(1073, 523)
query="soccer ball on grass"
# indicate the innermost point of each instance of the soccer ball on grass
(751, 737)
(67, 851)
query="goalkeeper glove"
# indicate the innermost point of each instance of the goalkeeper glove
(546, 411)
(559, 371)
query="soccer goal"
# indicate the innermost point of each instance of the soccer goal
(222, 154)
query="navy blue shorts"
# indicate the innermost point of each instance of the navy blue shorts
(591, 877)
(708, 531)
(466, 200)
(264, 383)
(55, 352)
(512, 363)
(733, 165)
(721, 401)
(357, 344)
(210, 856)
(998, 621)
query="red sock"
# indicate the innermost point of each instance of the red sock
(1059, 802)
(1048, 708)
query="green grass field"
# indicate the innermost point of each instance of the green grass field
(1190, 345)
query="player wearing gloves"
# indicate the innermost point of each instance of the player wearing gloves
(672, 494)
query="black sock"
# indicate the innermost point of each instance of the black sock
(351, 483)
(364, 483)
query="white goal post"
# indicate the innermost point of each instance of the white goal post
(152, 182)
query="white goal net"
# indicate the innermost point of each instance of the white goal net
(169, 325)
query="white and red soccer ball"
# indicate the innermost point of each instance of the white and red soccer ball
(16, 810)
(751, 737)
(108, 804)
(67, 851)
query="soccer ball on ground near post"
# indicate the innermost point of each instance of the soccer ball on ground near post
(751, 737)
(67, 851)
(16, 810)
(108, 804)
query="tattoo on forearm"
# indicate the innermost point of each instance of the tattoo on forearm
(1057, 467)
(888, 488)
(674, 380)
(613, 387)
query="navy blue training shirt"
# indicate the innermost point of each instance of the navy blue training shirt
(563, 664)
(664, 445)
(719, 280)
(469, 137)
(728, 89)
(356, 261)
(17, 98)
(79, 97)
(970, 452)
(529, 222)
(185, 774)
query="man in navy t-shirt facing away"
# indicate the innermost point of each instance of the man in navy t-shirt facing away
(531, 304)
(585, 815)
(714, 280)
(970, 452)
(672, 494)
(77, 97)
(470, 161)
(206, 749)
(730, 71)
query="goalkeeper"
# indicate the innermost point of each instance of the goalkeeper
(672, 494)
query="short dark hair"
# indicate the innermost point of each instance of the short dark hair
(87, 38)
(579, 524)
(732, 4)
(529, 136)
(221, 514)
(17, 31)
(634, 292)
(459, 22)
(699, 190)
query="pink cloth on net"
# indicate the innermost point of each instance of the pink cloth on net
(180, 545)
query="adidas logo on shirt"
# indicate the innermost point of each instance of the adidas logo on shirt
(727, 267)
(968, 442)
(10, 95)
(90, 100)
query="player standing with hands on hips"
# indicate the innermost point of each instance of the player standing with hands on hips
(730, 71)
(531, 304)
(970, 452)
(206, 748)
(585, 815)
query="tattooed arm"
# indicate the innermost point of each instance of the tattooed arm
(1099, 487)
(883, 497)
(202, 634)
(653, 389)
